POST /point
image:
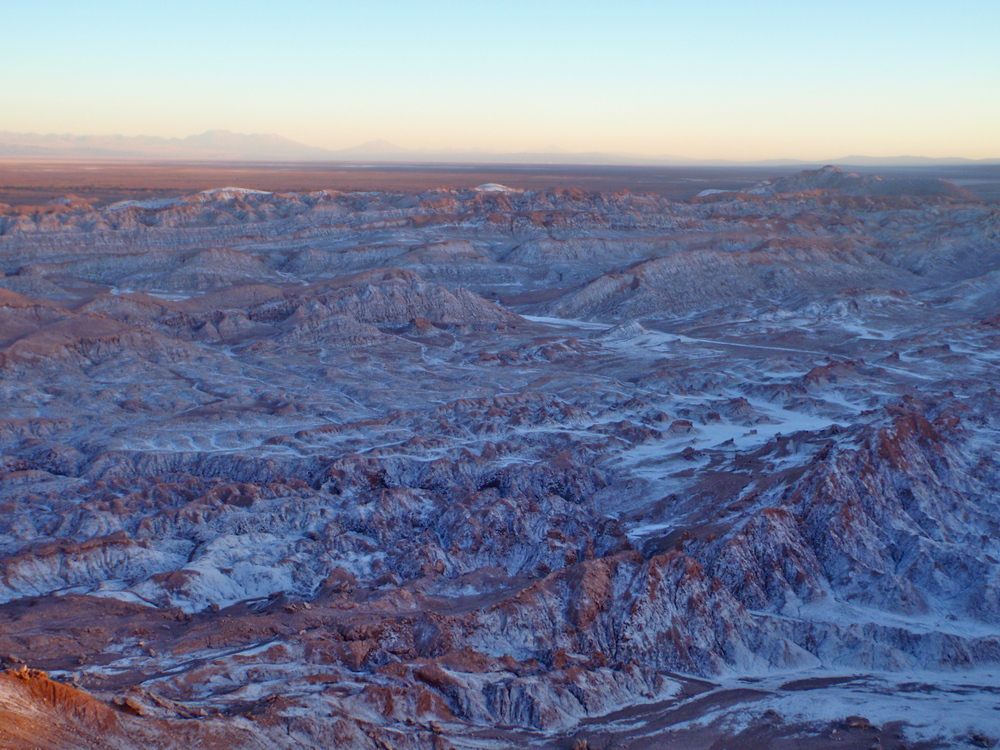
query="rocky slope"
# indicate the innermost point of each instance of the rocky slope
(833, 180)
(491, 468)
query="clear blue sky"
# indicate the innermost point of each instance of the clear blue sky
(726, 78)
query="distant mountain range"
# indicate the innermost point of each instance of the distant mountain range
(224, 145)
(212, 145)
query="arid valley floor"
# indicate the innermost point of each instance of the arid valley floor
(421, 464)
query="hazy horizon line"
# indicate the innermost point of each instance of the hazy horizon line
(219, 143)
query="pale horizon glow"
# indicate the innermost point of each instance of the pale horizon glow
(724, 80)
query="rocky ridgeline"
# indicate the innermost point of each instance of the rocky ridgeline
(306, 470)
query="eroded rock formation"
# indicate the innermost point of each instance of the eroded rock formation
(493, 468)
